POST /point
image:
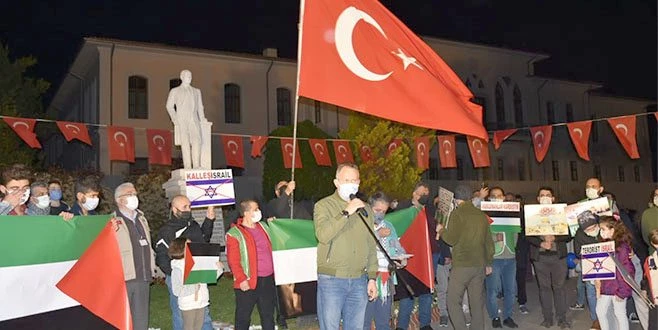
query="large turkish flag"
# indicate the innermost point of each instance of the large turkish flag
(624, 128)
(375, 65)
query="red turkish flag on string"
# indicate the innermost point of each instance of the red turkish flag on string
(447, 151)
(72, 130)
(286, 150)
(320, 152)
(121, 141)
(392, 146)
(579, 133)
(500, 136)
(233, 150)
(541, 139)
(257, 145)
(343, 152)
(24, 128)
(479, 149)
(656, 114)
(160, 144)
(366, 153)
(422, 152)
(376, 65)
(624, 128)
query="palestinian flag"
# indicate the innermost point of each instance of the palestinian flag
(201, 263)
(294, 251)
(57, 274)
(505, 220)
(411, 226)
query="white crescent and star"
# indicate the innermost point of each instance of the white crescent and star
(622, 127)
(447, 149)
(125, 138)
(421, 150)
(74, 129)
(285, 147)
(235, 150)
(319, 147)
(157, 138)
(366, 150)
(536, 137)
(20, 123)
(342, 149)
(392, 146)
(343, 33)
(579, 131)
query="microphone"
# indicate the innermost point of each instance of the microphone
(362, 197)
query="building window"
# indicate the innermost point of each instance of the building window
(137, 97)
(521, 168)
(460, 169)
(140, 166)
(486, 173)
(595, 130)
(434, 169)
(569, 113)
(550, 112)
(597, 172)
(482, 101)
(232, 103)
(574, 170)
(283, 111)
(518, 107)
(500, 170)
(556, 170)
(173, 83)
(500, 106)
(636, 172)
(622, 176)
(318, 112)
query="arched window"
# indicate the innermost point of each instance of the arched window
(500, 105)
(232, 103)
(138, 97)
(518, 107)
(283, 110)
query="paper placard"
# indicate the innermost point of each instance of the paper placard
(597, 263)
(600, 206)
(210, 187)
(545, 219)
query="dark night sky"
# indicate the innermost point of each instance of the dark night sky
(613, 42)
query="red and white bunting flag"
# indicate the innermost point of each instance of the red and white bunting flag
(624, 128)
(392, 146)
(233, 150)
(541, 139)
(343, 152)
(479, 151)
(366, 153)
(287, 150)
(320, 151)
(159, 143)
(447, 151)
(500, 136)
(72, 130)
(422, 152)
(24, 128)
(257, 144)
(579, 133)
(121, 141)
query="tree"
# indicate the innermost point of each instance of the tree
(20, 96)
(395, 174)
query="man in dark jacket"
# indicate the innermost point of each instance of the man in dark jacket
(181, 224)
(547, 254)
(279, 207)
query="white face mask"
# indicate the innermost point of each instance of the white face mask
(496, 199)
(25, 197)
(91, 203)
(605, 234)
(655, 201)
(257, 216)
(593, 233)
(545, 200)
(132, 202)
(347, 189)
(592, 193)
(43, 201)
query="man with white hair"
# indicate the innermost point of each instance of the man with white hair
(134, 238)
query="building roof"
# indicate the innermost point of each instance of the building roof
(535, 55)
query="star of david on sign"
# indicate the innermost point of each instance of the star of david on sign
(211, 191)
(598, 265)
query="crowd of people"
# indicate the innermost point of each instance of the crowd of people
(361, 263)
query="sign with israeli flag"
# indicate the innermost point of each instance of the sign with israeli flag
(597, 261)
(209, 187)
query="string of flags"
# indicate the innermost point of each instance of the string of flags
(121, 142)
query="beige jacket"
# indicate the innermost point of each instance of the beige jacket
(125, 248)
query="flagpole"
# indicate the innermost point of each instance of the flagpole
(294, 127)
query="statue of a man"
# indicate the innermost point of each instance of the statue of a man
(186, 111)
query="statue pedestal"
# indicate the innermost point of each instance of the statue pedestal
(175, 185)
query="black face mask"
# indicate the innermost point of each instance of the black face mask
(183, 215)
(282, 191)
(424, 200)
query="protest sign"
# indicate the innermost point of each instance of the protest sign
(545, 219)
(597, 261)
(599, 206)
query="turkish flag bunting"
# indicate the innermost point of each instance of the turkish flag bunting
(392, 146)
(579, 133)
(257, 144)
(479, 151)
(320, 152)
(541, 139)
(159, 144)
(376, 65)
(656, 114)
(624, 128)
(366, 153)
(24, 128)
(286, 150)
(72, 130)
(343, 152)
(500, 136)
(233, 150)
(447, 151)
(422, 152)
(121, 141)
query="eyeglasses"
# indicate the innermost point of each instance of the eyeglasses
(128, 194)
(348, 181)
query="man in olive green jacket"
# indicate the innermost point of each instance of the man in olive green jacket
(467, 231)
(347, 258)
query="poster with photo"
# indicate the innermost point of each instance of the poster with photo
(545, 219)
(599, 206)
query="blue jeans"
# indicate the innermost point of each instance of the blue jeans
(342, 298)
(502, 279)
(381, 312)
(580, 289)
(591, 299)
(177, 315)
(424, 310)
